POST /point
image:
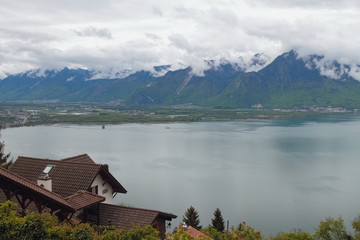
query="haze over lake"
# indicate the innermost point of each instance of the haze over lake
(275, 175)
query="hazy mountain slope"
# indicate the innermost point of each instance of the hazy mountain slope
(70, 85)
(109, 90)
(50, 85)
(288, 82)
(162, 90)
(181, 86)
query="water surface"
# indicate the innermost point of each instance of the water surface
(275, 175)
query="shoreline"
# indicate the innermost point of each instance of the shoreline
(36, 115)
(171, 121)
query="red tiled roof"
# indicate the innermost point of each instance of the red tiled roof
(193, 232)
(68, 177)
(83, 158)
(8, 177)
(124, 217)
(84, 199)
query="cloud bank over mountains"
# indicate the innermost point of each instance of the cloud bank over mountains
(115, 36)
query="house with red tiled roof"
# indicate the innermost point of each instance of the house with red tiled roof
(76, 188)
(70, 175)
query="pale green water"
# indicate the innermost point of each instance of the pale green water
(275, 175)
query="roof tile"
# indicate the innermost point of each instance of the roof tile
(84, 199)
(68, 177)
(193, 232)
(83, 158)
(124, 217)
(7, 176)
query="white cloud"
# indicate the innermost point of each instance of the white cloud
(355, 72)
(110, 74)
(94, 32)
(306, 3)
(330, 69)
(115, 35)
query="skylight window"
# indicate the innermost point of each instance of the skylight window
(48, 168)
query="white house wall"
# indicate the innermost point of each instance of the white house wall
(99, 181)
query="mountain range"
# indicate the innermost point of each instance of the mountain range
(287, 82)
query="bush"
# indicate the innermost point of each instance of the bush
(331, 229)
(46, 226)
(82, 232)
(36, 226)
(245, 233)
(138, 233)
(293, 236)
(10, 224)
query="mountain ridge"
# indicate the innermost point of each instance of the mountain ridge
(287, 82)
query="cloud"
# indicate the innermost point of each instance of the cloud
(330, 69)
(180, 42)
(110, 73)
(152, 36)
(355, 72)
(305, 3)
(94, 32)
(115, 35)
(156, 10)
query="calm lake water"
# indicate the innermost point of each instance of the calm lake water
(275, 175)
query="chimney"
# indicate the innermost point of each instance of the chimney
(45, 181)
(106, 166)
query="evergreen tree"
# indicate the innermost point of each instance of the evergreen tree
(218, 221)
(5, 160)
(191, 218)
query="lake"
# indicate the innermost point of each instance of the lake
(274, 175)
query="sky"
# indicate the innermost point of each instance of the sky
(115, 35)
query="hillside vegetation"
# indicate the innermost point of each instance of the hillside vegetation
(45, 226)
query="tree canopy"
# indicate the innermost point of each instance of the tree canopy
(331, 229)
(191, 218)
(5, 160)
(218, 221)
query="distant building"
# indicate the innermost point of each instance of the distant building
(74, 188)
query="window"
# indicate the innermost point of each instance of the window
(48, 168)
(105, 191)
(94, 189)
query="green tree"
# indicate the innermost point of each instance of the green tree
(215, 234)
(191, 218)
(10, 224)
(331, 229)
(356, 227)
(245, 233)
(292, 236)
(82, 232)
(134, 233)
(218, 221)
(5, 160)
